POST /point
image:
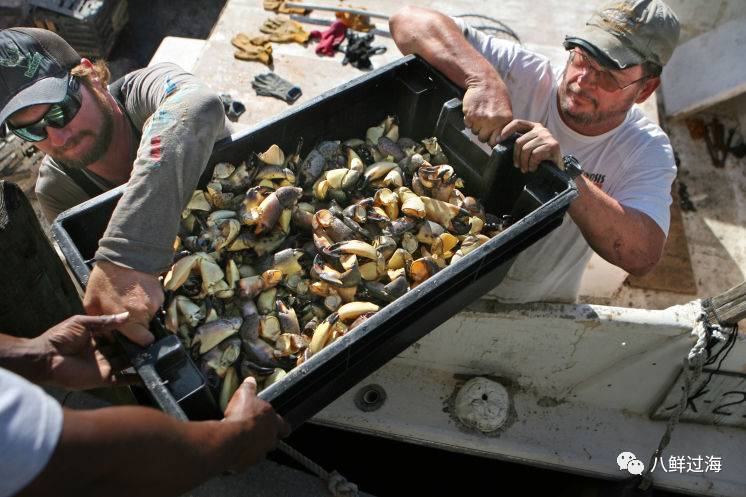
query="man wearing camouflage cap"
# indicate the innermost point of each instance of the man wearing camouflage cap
(152, 131)
(585, 109)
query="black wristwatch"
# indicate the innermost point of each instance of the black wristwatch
(572, 166)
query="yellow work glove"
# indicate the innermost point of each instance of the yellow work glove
(279, 7)
(255, 48)
(284, 30)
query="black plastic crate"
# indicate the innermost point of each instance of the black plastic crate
(89, 26)
(422, 98)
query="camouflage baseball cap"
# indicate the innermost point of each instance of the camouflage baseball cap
(34, 69)
(629, 32)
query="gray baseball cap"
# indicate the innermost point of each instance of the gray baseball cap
(34, 69)
(629, 32)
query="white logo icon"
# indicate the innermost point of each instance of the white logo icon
(628, 461)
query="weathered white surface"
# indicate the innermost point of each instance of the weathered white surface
(582, 380)
(697, 17)
(740, 107)
(706, 70)
(183, 52)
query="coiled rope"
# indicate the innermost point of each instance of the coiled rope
(337, 484)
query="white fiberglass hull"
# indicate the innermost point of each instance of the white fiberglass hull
(582, 381)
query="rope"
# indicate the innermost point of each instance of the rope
(692, 365)
(3, 211)
(500, 28)
(337, 484)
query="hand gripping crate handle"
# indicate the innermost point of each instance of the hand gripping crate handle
(452, 116)
(144, 360)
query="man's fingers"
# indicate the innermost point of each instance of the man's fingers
(105, 322)
(485, 134)
(138, 333)
(515, 126)
(495, 138)
(249, 384)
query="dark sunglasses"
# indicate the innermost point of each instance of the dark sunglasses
(58, 115)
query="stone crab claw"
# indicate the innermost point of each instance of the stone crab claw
(386, 245)
(322, 334)
(354, 162)
(442, 212)
(341, 179)
(180, 272)
(209, 335)
(271, 208)
(357, 247)
(199, 202)
(269, 327)
(249, 329)
(388, 201)
(390, 148)
(436, 153)
(302, 216)
(311, 168)
(247, 212)
(475, 208)
(290, 344)
(356, 212)
(378, 170)
(422, 269)
(429, 231)
(224, 232)
(352, 310)
(468, 244)
(327, 224)
(276, 174)
(398, 227)
(374, 270)
(220, 358)
(191, 313)
(249, 368)
(217, 197)
(411, 204)
(400, 258)
(286, 261)
(259, 352)
(273, 156)
(287, 318)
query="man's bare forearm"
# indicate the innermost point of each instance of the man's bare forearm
(621, 235)
(124, 451)
(21, 356)
(437, 39)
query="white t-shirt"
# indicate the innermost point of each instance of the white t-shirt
(30, 426)
(633, 163)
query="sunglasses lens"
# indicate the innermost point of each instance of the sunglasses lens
(58, 116)
(30, 133)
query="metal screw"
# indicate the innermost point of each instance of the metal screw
(370, 398)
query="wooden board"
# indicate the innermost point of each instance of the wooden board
(674, 272)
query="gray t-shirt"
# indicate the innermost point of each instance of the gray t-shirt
(179, 119)
(30, 427)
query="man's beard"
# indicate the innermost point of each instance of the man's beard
(594, 116)
(101, 139)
